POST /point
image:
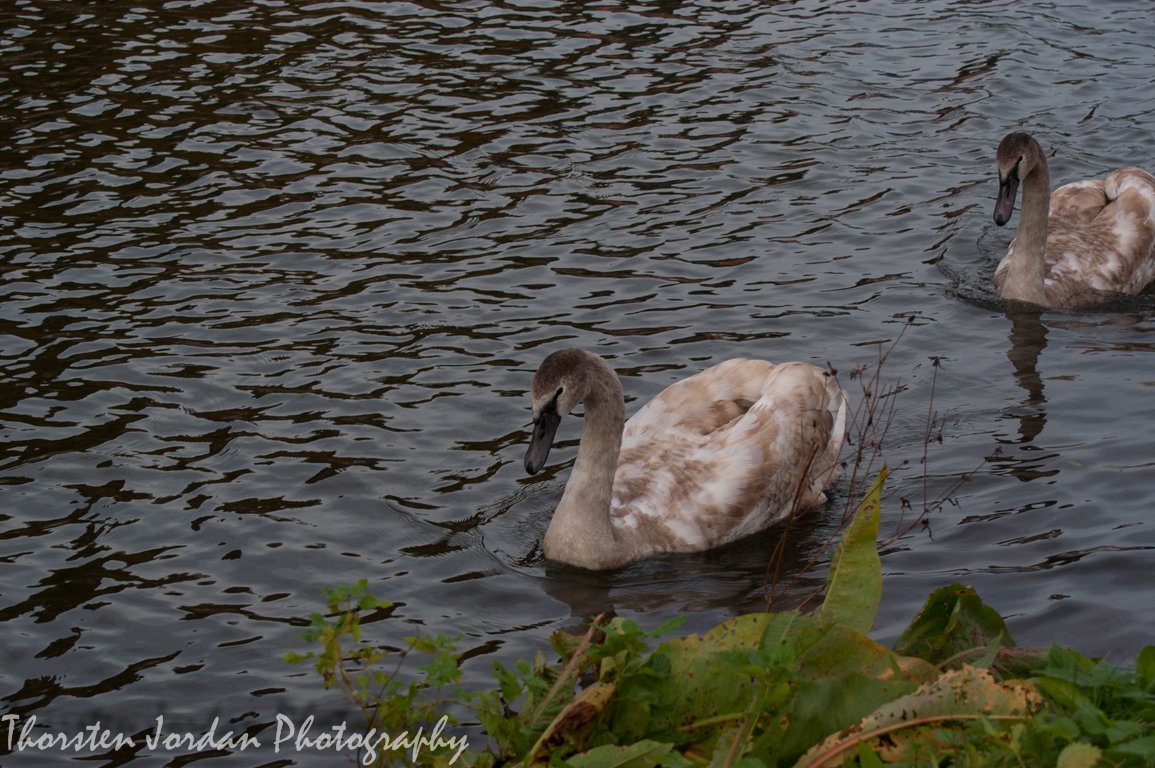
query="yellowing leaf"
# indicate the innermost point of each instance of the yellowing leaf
(579, 713)
(964, 694)
(1078, 755)
(644, 754)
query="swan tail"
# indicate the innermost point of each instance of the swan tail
(1129, 178)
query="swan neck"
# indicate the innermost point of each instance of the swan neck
(1025, 273)
(581, 532)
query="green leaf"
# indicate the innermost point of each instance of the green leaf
(368, 603)
(565, 644)
(867, 757)
(1145, 666)
(643, 754)
(441, 670)
(424, 644)
(954, 626)
(683, 681)
(854, 583)
(1143, 748)
(1078, 755)
(827, 705)
(831, 649)
(988, 657)
(667, 626)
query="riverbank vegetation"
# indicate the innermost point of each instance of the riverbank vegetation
(764, 690)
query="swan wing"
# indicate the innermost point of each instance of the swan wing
(1130, 216)
(719, 469)
(703, 402)
(1078, 203)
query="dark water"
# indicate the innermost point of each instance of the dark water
(276, 277)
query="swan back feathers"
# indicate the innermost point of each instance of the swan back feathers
(725, 453)
(1101, 237)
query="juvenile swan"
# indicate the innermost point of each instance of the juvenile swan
(1094, 235)
(712, 458)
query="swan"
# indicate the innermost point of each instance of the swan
(712, 458)
(1095, 235)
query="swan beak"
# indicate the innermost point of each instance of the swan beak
(544, 428)
(1005, 204)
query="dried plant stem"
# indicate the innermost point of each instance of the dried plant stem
(569, 669)
(869, 425)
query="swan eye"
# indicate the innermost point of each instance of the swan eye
(551, 406)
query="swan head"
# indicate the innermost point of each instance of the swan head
(1018, 155)
(563, 380)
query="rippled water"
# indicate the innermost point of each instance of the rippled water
(276, 278)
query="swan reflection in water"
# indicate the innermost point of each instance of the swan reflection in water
(1028, 338)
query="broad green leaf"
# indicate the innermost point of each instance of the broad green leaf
(854, 583)
(1145, 666)
(684, 682)
(1079, 755)
(667, 626)
(957, 695)
(824, 706)
(710, 679)
(1063, 692)
(643, 754)
(1066, 664)
(954, 627)
(565, 644)
(693, 687)
(840, 651)
(1071, 679)
(988, 657)
(867, 758)
(1143, 748)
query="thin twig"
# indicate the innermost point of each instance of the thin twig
(779, 554)
(866, 428)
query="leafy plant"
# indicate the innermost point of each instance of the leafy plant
(773, 690)
(390, 705)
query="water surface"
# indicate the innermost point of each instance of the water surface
(276, 278)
